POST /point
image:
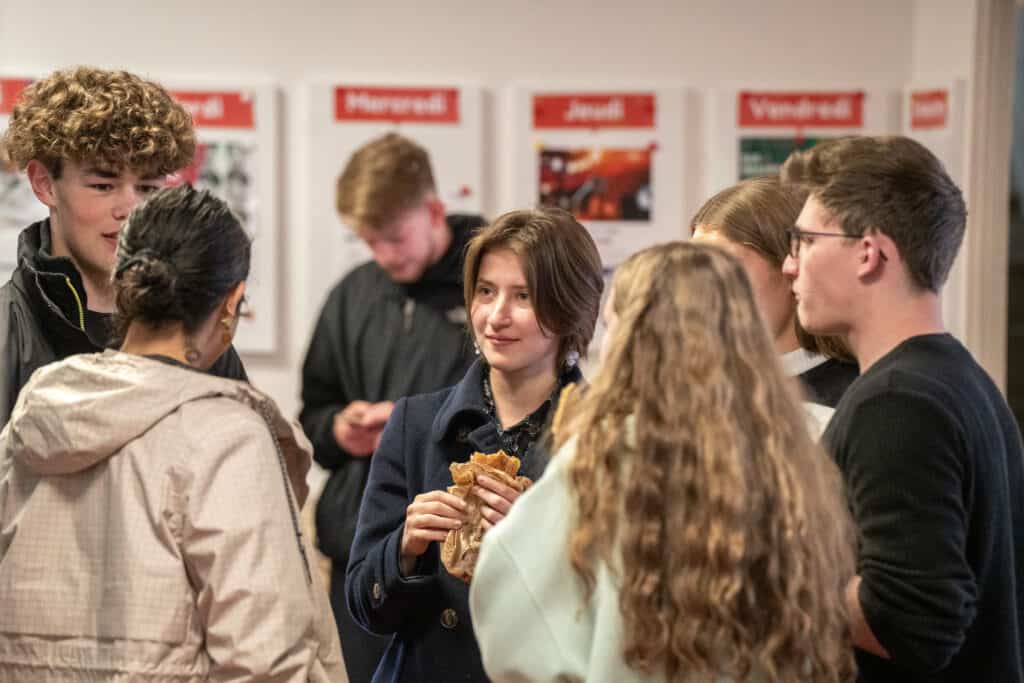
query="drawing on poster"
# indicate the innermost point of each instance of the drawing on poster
(227, 169)
(764, 156)
(597, 184)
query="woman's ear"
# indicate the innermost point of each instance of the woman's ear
(234, 299)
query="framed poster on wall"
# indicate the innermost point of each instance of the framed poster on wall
(753, 131)
(19, 207)
(612, 157)
(342, 115)
(237, 160)
(933, 114)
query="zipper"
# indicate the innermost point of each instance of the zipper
(408, 308)
(289, 494)
(78, 300)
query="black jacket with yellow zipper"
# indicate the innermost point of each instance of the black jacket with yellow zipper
(44, 317)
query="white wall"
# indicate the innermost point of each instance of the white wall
(699, 42)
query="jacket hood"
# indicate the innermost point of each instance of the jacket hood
(77, 412)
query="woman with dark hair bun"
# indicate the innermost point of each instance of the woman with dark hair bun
(148, 510)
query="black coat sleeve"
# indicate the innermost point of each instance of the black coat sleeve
(324, 385)
(378, 596)
(906, 471)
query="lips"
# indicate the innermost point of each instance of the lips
(500, 341)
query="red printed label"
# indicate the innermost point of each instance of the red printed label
(609, 110)
(929, 109)
(216, 109)
(413, 105)
(802, 109)
(10, 90)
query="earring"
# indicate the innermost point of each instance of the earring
(228, 334)
(571, 359)
(476, 348)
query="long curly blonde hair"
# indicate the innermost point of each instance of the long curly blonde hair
(110, 118)
(696, 480)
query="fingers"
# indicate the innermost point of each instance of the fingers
(377, 414)
(426, 535)
(437, 510)
(439, 496)
(494, 493)
(353, 413)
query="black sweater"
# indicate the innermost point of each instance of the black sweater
(932, 460)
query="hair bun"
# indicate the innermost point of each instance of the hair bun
(147, 283)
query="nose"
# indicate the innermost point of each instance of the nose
(499, 314)
(127, 199)
(384, 254)
(791, 266)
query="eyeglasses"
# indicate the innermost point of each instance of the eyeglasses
(797, 236)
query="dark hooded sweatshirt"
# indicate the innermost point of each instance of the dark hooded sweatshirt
(44, 317)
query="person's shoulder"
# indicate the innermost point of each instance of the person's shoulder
(220, 418)
(428, 402)
(365, 277)
(465, 221)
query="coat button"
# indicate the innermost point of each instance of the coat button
(376, 590)
(449, 619)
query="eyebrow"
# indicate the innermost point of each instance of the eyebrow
(484, 281)
(114, 175)
(102, 173)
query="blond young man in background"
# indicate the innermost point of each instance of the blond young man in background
(392, 327)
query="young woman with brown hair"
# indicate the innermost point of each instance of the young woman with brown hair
(533, 287)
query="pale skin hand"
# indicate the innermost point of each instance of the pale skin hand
(863, 636)
(429, 518)
(497, 497)
(358, 427)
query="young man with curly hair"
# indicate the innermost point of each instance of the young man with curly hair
(93, 143)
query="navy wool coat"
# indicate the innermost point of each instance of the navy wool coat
(427, 613)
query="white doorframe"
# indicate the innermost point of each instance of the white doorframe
(988, 167)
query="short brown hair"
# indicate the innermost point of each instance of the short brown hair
(111, 118)
(383, 178)
(562, 268)
(757, 213)
(891, 184)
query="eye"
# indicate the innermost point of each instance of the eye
(102, 187)
(147, 189)
(484, 290)
(523, 296)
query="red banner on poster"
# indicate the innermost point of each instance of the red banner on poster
(607, 110)
(801, 109)
(10, 90)
(218, 109)
(397, 105)
(929, 109)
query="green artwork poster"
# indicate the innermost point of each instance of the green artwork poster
(764, 156)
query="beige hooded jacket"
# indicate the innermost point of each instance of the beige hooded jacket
(149, 532)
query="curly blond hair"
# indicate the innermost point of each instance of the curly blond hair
(696, 480)
(113, 119)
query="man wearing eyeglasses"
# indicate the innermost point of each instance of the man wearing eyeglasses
(928, 448)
